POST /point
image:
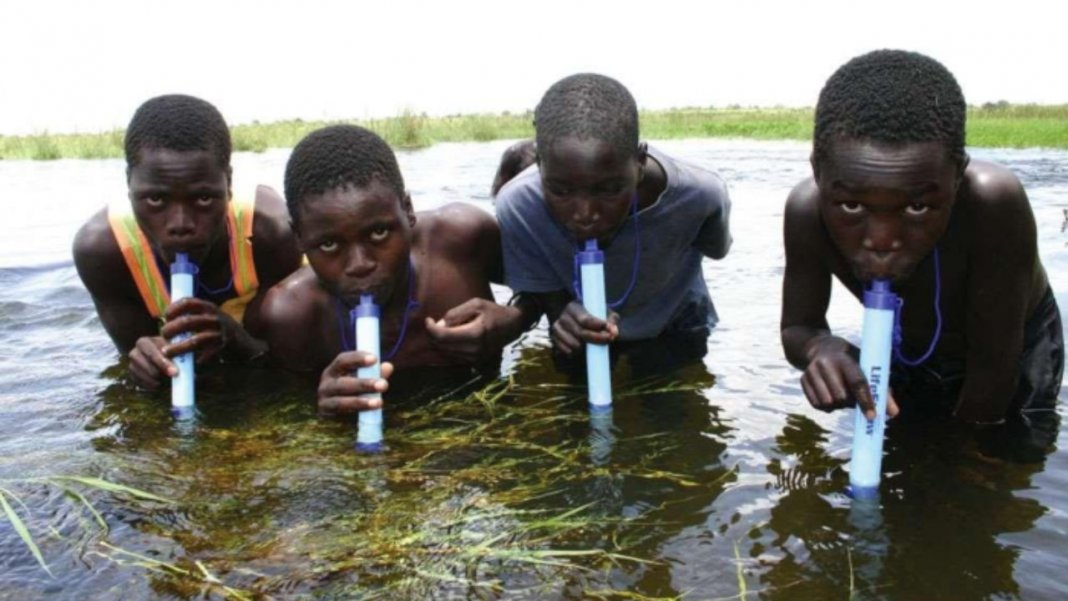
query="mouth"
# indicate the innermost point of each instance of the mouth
(380, 291)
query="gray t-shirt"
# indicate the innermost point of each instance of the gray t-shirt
(688, 221)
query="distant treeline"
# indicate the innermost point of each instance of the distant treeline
(991, 125)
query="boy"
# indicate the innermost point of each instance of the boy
(179, 179)
(893, 195)
(654, 217)
(429, 273)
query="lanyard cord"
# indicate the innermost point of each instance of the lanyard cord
(938, 320)
(575, 282)
(346, 317)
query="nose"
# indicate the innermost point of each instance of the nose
(882, 236)
(180, 222)
(585, 213)
(359, 263)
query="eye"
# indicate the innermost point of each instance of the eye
(379, 233)
(851, 207)
(559, 191)
(205, 201)
(329, 247)
(154, 201)
(917, 208)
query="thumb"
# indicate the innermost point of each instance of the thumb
(462, 314)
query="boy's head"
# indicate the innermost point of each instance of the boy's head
(346, 198)
(888, 157)
(586, 128)
(178, 173)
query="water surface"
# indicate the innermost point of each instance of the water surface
(716, 481)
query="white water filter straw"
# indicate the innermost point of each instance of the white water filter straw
(598, 366)
(865, 466)
(369, 426)
(183, 385)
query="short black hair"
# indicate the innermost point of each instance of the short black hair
(891, 96)
(336, 156)
(178, 122)
(588, 105)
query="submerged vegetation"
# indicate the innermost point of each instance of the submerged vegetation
(990, 125)
(491, 489)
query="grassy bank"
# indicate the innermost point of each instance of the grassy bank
(998, 125)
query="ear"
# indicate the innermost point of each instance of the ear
(963, 167)
(815, 167)
(230, 180)
(409, 211)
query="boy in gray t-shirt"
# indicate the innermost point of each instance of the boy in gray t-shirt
(653, 216)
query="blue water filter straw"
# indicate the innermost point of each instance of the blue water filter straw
(183, 385)
(598, 367)
(369, 426)
(875, 346)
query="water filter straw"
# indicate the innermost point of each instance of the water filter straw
(369, 426)
(183, 390)
(880, 303)
(598, 367)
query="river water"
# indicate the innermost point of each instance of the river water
(716, 481)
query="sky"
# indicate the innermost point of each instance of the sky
(82, 66)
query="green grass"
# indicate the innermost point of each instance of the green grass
(991, 125)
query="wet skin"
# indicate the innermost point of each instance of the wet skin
(358, 241)
(877, 211)
(588, 186)
(180, 201)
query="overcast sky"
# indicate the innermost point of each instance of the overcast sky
(87, 65)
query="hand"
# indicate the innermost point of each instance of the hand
(834, 380)
(476, 329)
(149, 364)
(340, 391)
(576, 326)
(209, 329)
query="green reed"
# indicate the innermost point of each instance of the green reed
(990, 125)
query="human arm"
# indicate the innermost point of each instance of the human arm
(832, 377)
(1004, 275)
(476, 330)
(714, 238)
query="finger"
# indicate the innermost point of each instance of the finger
(387, 370)
(149, 352)
(891, 405)
(348, 404)
(142, 375)
(834, 383)
(354, 386)
(810, 394)
(189, 305)
(203, 342)
(589, 322)
(858, 384)
(463, 313)
(349, 361)
(443, 332)
(565, 341)
(818, 388)
(190, 324)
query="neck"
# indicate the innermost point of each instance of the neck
(653, 183)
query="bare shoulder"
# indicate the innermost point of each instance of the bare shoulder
(96, 253)
(458, 229)
(272, 217)
(292, 302)
(992, 191)
(802, 206)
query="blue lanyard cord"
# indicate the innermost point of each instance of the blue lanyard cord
(576, 281)
(347, 317)
(938, 320)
